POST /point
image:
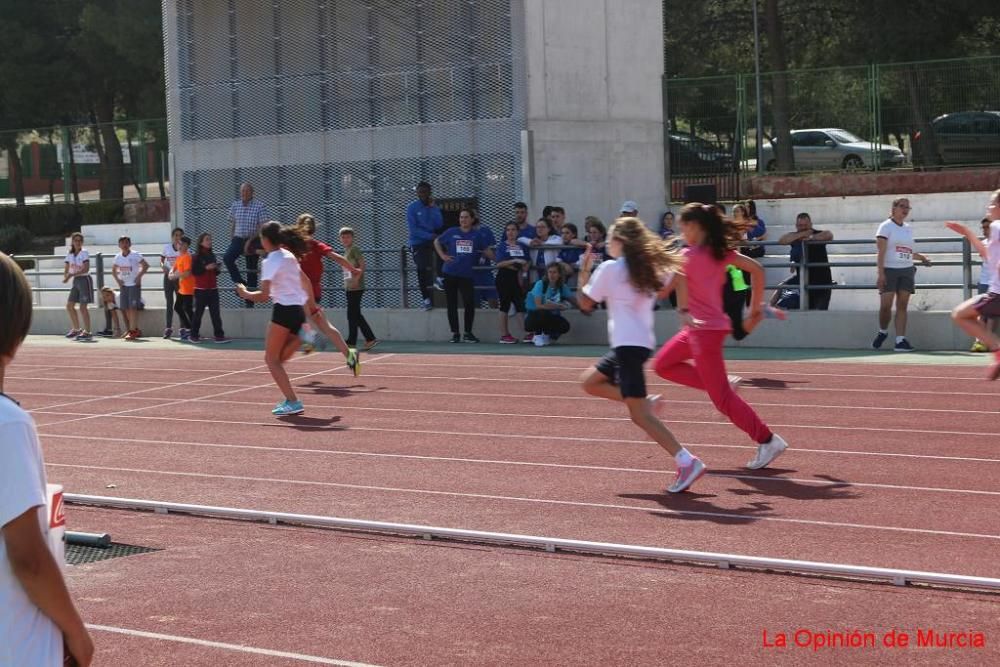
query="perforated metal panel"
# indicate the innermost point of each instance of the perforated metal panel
(338, 108)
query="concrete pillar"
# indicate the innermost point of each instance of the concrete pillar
(594, 106)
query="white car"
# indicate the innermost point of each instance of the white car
(832, 148)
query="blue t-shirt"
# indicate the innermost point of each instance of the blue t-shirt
(423, 222)
(570, 255)
(547, 294)
(759, 230)
(487, 239)
(464, 249)
(518, 251)
(527, 232)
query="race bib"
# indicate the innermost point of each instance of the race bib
(347, 276)
(125, 272)
(515, 252)
(463, 247)
(904, 253)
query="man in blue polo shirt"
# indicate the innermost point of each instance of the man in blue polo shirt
(424, 221)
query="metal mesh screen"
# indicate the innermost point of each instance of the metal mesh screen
(339, 107)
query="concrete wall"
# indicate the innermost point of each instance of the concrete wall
(829, 330)
(594, 105)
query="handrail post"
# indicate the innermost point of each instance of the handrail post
(804, 276)
(404, 284)
(966, 269)
(99, 269)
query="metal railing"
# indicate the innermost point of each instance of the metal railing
(406, 285)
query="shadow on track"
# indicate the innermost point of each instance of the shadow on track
(692, 506)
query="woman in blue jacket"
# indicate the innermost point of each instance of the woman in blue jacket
(460, 248)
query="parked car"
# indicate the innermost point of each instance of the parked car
(693, 155)
(833, 148)
(967, 137)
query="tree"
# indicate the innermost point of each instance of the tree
(779, 86)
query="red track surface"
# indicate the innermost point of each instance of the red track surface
(892, 465)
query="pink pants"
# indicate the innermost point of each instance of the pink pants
(708, 373)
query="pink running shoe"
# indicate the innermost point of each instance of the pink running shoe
(508, 339)
(529, 338)
(687, 475)
(73, 333)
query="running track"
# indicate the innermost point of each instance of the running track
(892, 465)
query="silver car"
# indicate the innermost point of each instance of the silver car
(832, 148)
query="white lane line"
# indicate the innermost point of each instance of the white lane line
(520, 499)
(182, 401)
(762, 366)
(241, 648)
(529, 464)
(563, 438)
(476, 414)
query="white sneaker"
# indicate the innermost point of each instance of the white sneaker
(541, 340)
(768, 452)
(735, 381)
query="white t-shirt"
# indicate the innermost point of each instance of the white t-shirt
(27, 636)
(76, 263)
(282, 269)
(899, 244)
(128, 267)
(630, 311)
(992, 264)
(169, 255)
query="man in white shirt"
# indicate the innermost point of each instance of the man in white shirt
(896, 273)
(37, 615)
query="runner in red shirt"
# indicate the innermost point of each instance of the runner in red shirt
(312, 266)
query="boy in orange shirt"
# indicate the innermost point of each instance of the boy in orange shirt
(184, 303)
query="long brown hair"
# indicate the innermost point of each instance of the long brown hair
(291, 236)
(15, 306)
(73, 237)
(647, 257)
(721, 233)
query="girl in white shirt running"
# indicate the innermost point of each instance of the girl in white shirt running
(628, 285)
(38, 621)
(283, 282)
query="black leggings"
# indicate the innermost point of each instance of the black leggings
(355, 319)
(546, 322)
(733, 303)
(452, 286)
(169, 292)
(184, 309)
(207, 298)
(509, 288)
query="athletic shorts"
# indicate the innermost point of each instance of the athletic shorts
(900, 280)
(82, 290)
(290, 317)
(130, 297)
(988, 305)
(623, 366)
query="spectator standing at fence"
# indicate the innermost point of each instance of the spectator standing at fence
(354, 288)
(167, 258)
(205, 270)
(525, 228)
(483, 277)
(424, 221)
(183, 276)
(629, 209)
(512, 258)
(756, 232)
(458, 248)
(570, 256)
(128, 269)
(545, 303)
(896, 273)
(541, 257)
(970, 314)
(81, 292)
(557, 217)
(596, 234)
(812, 243)
(246, 216)
(667, 232)
(39, 624)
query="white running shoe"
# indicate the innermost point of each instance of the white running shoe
(735, 381)
(768, 452)
(687, 475)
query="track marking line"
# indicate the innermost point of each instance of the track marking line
(521, 499)
(241, 648)
(478, 414)
(131, 412)
(534, 464)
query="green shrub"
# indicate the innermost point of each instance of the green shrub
(62, 219)
(14, 239)
(103, 213)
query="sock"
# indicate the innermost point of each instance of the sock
(900, 339)
(683, 457)
(883, 331)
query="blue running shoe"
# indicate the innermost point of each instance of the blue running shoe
(288, 408)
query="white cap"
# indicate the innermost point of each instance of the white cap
(629, 207)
